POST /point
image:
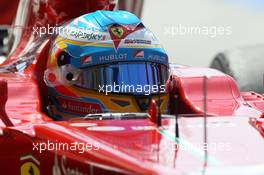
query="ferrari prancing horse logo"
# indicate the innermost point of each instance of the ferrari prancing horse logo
(29, 168)
(117, 31)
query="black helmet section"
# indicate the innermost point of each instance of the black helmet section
(63, 59)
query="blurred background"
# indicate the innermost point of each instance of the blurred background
(244, 17)
(7, 14)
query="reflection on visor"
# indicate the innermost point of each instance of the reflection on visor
(132, 75)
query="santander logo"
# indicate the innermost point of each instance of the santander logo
(79, 107)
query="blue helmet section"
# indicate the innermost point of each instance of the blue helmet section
(101, 19)
(105, 55)
(111, 36)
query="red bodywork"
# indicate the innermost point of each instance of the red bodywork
(136, 146)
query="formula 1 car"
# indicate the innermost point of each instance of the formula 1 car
(211, 127)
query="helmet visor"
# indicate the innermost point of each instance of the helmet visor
(125, 77)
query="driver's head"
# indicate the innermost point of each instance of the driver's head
(105, 61)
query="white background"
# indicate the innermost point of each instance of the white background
(246, 21)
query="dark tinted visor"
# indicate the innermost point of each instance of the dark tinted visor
(135, 75)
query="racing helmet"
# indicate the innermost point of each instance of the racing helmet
(105, 61)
